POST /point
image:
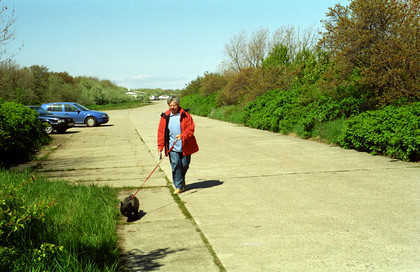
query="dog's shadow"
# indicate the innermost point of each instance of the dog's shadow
(140, 215)
(203, 184)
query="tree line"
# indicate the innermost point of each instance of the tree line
(304, 82)
(369, 50)
(35, 85)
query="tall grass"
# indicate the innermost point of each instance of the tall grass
(328, 131)
(67, 228)
(231, 114)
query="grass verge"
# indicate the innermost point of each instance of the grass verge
(54, 226)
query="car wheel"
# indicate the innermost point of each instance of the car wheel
(47, 127)
(91, 121)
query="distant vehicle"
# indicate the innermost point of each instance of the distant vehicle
(153, 97)
(53, 122)
(163, 97)
(79, 113)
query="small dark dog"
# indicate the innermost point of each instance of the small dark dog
(130, 208)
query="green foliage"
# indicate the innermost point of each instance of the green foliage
(45, 224)
(328, 131)
(16, 219)
(198, 104)
(292, 111)
(192, 87)
(21, 133)
(275, 110)
(212, 83)
(95, 92)
(236, 89)
(278, 56)
(380, 39)
(231, 114)
(392, 131)
(36, 85)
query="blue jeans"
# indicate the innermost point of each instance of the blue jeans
(180, 165)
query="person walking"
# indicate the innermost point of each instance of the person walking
(176, 128)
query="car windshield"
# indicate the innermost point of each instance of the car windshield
(81, 107)
(41, 111)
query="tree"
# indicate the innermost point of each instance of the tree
(257, 48)
(294, 39)
(376, 42)
(7, 32)
(278, 56)
(235, 52)
(243, 53)
(212, 83)
(192, 87)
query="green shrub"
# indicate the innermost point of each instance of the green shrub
(298, 110)
(199, 104)
(392, 131)
(21, 133)
(276, 110)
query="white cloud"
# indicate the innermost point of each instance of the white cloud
(140, 77)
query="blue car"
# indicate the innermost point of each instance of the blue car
(79, 113)
(53, 122)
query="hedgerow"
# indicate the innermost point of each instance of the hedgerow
(275, 110)
(199, 104)
(21, 133)
(392, 131)
(286, 111)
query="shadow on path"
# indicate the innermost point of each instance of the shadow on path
(204, 184)
(137, 260)
(138, 217)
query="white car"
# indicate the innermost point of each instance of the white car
(163, 97)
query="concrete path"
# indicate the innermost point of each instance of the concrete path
(260, 201)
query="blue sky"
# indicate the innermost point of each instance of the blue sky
(146, 43)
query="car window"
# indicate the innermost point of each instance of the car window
(42, 111)
(70, 108)
(55, 107)
(82, 107)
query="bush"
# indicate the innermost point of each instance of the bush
(199, 104)
(392, 131)
(298, 110)
(21, 133)
(275, 110)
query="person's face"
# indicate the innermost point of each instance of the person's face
(174, 107)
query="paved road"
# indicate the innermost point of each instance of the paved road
(260, 201)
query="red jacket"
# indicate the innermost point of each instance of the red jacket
(189, 144)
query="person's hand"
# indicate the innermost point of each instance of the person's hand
(178, 136)
(160, 154)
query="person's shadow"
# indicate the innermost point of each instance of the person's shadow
(203, 184)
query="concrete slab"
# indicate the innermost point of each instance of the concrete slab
(261, 200)
(268, 202)
(164, 238)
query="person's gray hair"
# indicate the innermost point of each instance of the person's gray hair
(173, 98)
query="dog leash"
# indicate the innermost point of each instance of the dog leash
(172, 147)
